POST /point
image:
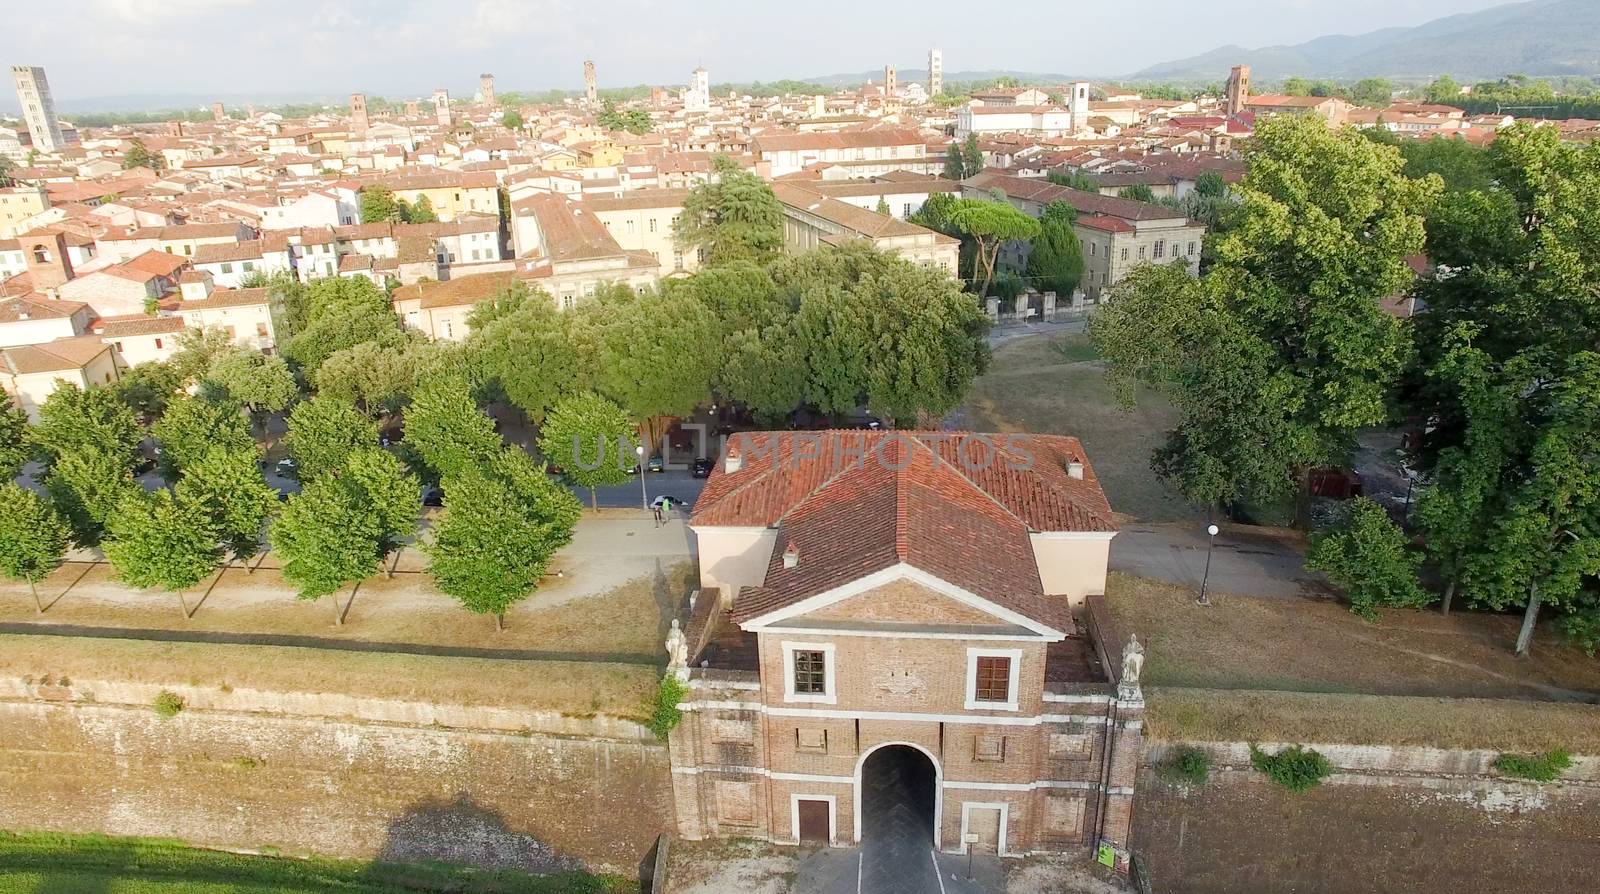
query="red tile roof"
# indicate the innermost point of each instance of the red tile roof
(956, 505)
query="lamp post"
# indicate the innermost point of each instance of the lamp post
(1211, 532)
(644, 498)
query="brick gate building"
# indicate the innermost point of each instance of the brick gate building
(914, 598)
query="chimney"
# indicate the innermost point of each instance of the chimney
(791, 556)
(1075, 469)
(733, 461)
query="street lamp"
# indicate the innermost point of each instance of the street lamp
(644, 498)
(1211, 531)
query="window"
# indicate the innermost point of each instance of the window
(1124, 253)
(261, 329)
(810, 672)
(448, 329)
(1160, 249)
(992, 679)
(1141, 252)
(809, 676)
(905, 210)
(1094, 249)
(158, 344)
(652, 225)
(1191, 248)
(227, 268)
(41, 255)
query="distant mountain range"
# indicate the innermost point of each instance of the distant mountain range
(1540, 38)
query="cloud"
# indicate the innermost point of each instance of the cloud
(137, 12)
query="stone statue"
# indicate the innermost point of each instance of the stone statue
(677, 649)
(1132, 660)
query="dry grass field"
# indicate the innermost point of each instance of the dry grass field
(1316, 646)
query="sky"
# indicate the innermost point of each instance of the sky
(403, 48)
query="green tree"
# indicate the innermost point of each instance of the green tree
(289, 302)
(512, 118)
(227, 484)
(421, 212)
(1444, 90)
(971, 156)
(378, 205)
(1138, 192)
(196, 350)
(158, 540)
(389, 492)
(329, 539)
(323, 432)
(261, 383)
(1211, 185)
(344, 312)
(1375, 93)
(589, 438)
(193, 425)
(734, 216)
(1366, 555)
(140, 156)
(657, 356)
(764, 369)
(72, 421)
(991, 225)
(1074, 180)
(875, 328)
(1055, 261)
(954, 165)
(447, 430)
(502, 525)
(1280, 351)
(32, 538)
(15, 446)
(373, 376)
(520, 343)
(147, 388)
(86, 487)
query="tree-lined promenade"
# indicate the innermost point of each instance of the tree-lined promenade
(834, 331)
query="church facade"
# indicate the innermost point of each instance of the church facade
(905, 612)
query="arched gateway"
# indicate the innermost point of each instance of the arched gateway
(891, 640)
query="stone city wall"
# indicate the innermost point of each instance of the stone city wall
(328, 775)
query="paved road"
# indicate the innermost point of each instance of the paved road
(1245, 561)
(678, 484)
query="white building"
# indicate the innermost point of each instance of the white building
(38, 109)
(698, 97)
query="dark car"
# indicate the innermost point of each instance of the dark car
(287, 467)
(432, 496)
(656, 464)
(703, 466)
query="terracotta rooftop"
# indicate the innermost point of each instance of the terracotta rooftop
(857, 502)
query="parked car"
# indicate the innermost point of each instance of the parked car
(287, 467)
(432, 496)
(656, 464)
(703, 466)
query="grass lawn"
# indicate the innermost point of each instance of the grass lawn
(40, 863)
(1215, 715)
(1315, 646)
(570, 687)
(598, 608)
(1053, 384)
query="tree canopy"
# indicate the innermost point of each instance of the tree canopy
(502, 524)
(734, 216)
(32, 537)
(586, 435)
(1280, 351)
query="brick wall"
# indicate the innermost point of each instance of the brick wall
(341, 788)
